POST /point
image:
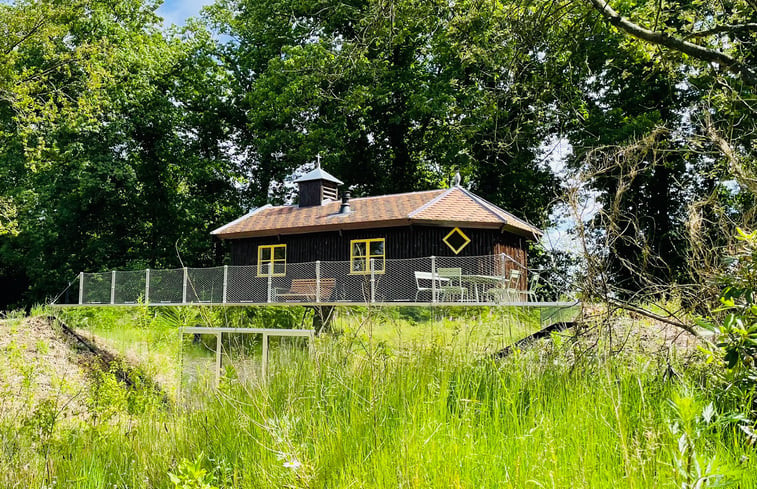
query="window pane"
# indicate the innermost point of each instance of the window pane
(265, 268)
(358, 265)
(280, 253)
(265, 254)
(377, 247)
(358, 248)
(378, 264)
(279, 268)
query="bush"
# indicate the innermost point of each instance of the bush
(734, 325)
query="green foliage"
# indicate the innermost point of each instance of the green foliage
(112, 150)
(191, 475)
(736, 332)
(395, 98)
(107, 397)
(42, 421)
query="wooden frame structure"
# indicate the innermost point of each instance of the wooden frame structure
(266, 332)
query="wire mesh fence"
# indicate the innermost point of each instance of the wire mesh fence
(488, 279)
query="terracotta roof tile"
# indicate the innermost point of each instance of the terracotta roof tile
(455, 206)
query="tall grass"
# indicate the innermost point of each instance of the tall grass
(357, 414)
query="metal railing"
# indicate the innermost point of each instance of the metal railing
(474, 280)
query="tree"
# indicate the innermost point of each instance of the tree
(394, 95)
(128, 169)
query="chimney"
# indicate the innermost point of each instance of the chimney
(345, 208)
(317, 186)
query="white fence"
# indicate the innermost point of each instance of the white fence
(490, 279)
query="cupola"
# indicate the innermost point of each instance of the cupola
(317, 186)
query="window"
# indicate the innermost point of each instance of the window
(361, 253)
(456, 240)
(272, 260)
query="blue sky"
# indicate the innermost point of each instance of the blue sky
(177, 11)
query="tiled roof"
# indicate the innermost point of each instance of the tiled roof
(451, 207)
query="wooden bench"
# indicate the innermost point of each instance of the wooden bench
(306, 289)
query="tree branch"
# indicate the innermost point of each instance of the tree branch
(742, 175)
(26, 36)
(638, 310)
(721, 29)
(666, 40)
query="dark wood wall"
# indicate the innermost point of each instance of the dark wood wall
(407, 242)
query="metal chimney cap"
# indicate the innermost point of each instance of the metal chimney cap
(345, 208)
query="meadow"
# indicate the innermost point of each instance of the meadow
(386, 399)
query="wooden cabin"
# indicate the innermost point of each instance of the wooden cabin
(451, 222)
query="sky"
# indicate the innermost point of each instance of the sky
(177, 11)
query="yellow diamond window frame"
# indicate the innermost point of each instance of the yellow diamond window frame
(271, 259)
(459, 231)
(365, 259)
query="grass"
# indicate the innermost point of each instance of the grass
(384, 405)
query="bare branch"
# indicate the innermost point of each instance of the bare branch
(743, 176)
(638, 310)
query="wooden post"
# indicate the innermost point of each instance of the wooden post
(225, 282)
(81, 287)
(184, 287)
(113, 287)
(264, 359)
(147, 286)
(218, 359)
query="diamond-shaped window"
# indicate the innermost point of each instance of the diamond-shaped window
(456, 240)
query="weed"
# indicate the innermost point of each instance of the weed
(190, 474)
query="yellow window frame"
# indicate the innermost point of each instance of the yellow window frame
(271, 260)
(466, 238)
(379, 259)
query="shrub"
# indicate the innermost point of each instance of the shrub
(734, 324)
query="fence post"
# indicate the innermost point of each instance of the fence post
(225, 282)
(373, 282)
(113, 287)
(147, 286)
(81, 287)
(318, 281)
(270, 282)
(264, 360)
(218, 359)
(502, 264)
(433, 279)
(184, 287)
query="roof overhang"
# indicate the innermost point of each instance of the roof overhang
(393, 223)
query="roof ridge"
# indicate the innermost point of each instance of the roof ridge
(240, 219)
(373, 197)
(401, 193)
(431, 202)
(482, 201)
